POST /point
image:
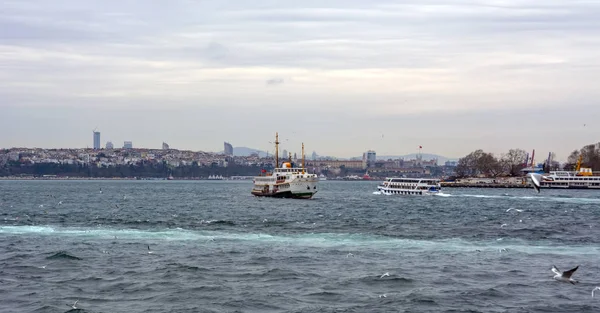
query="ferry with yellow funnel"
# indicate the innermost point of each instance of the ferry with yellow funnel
(287, 180)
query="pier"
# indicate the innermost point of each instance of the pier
(483, 185)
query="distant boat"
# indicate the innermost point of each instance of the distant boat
(170, 177)
(215, 177)
(322, 177)
(409, 186)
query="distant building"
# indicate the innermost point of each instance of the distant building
(109, 145)
(451, 163)
(165, 146)
(96, 140)
(127, 145)
(369, 159)
(285, 154)
(335, 163)
(314, 155)
(228, 148)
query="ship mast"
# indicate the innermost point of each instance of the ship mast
(303, 158)
(276, 150)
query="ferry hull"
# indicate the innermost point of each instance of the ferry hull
(285, 194)
(408, 192)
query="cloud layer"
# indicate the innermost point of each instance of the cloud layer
(349, 69)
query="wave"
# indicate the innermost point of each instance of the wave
(559, 198)
(62, 255)
(353, 242)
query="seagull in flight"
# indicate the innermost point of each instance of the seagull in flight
(564, 276)
(384, 275)
(597, 288)
(73, 306)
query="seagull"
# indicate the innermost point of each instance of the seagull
(59, 202)
(73, 306)
(149, 251)
(503, 225)
(566, 276)
(518, 210)
(597, 288)
(384, 275)
(382, 296)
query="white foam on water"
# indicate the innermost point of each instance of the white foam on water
(323, 240)
(539, 198)
(376, 192)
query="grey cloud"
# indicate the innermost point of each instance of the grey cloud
(445, 57)
(275, 81)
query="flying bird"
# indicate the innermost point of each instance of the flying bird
(564, 276)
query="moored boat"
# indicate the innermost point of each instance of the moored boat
(287, 181)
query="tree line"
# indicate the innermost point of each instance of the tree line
(479, 162)
(141, 170)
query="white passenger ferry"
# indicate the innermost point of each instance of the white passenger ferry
(410, 186)
(287, 181)
(582, 179)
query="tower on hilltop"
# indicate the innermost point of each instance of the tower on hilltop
(96, 139)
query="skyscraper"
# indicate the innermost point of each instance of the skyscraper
(165, 146)
(369, 159)
(96, 140)
(127, 145)
(228, 148)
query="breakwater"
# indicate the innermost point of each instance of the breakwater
(483, 185)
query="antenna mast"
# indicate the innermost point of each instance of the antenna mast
(276, 150)
(303, 158)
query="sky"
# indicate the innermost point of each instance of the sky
(342, 76)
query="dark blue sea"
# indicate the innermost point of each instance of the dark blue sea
(216, 248)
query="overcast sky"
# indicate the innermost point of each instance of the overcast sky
(343, 76)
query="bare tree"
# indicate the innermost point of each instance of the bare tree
(478, 162)
(514, 161)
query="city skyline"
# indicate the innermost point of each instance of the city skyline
(343, 77)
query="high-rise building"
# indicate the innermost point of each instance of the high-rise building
(127, 145)
(227, 148)
(369, 159)
(165, 146)
(96, 140)
(314, 155)
(109, 145)
(285, 154)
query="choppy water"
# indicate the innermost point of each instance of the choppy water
(218, 249)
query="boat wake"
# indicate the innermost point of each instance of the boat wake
(318, 240)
